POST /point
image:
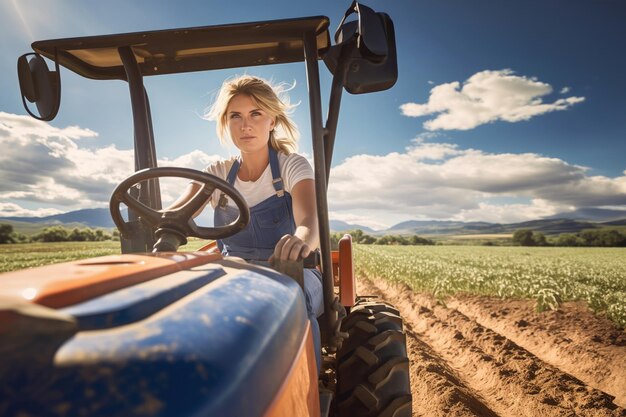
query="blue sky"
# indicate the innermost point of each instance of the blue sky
(503, 111)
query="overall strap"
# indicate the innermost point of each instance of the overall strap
(277, 180)
(232, 174)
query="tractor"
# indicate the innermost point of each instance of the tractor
(157, 332)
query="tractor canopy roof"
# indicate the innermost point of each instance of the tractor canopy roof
(189, 49)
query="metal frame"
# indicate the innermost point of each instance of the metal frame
(319, 158)
(145, 152)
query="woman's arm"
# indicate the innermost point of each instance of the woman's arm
(306, 237)
(190, 191)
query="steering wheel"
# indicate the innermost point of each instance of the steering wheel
(180, 220)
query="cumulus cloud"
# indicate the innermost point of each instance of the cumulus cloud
(361, 220)
(53, 166)
(195, 160)
(511, 213)
(441, 181)
(55, 169)
(485, 97)
(14, 210)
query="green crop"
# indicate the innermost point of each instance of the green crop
(550, 276)
(28, 255)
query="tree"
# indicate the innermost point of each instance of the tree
(356, 234)
(368, 240)
(523, 237)
(600, 238)
(383, 240)
(568, 239)
(53, 234)
(611, 238)
(76, 235)
(20, 237)
(102, 236)
(416, 240)
(6, 233)
(539, 239)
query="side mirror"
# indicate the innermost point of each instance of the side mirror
(39, 85)
(365, 51)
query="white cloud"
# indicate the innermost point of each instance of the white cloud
(51, 166)
(195, 160)
(15, 210)
(362, 220)
(485, 97)
(511, 213)
(441, 181)
(432, 151)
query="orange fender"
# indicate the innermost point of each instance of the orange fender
(299, 394)
(347, 284)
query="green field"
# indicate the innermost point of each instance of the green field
(28, 255)
(548, 275)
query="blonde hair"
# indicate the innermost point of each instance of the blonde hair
(269, 98)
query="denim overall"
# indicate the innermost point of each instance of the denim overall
(270, 220)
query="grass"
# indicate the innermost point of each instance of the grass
(29, 255)
(548, 275)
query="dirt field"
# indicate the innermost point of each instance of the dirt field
(480, 356)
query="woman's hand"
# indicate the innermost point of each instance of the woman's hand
(290, 247)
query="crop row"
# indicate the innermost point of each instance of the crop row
(548, 275)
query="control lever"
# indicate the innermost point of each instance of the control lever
(295, 269)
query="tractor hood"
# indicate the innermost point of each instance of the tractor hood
(192, 336)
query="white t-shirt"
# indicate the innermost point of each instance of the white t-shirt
(293, 169)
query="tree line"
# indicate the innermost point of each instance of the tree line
(358, 236)
(594, 238)
(521, 237)
(57, 234)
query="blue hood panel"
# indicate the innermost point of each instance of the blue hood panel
(215, 340)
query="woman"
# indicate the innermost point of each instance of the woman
(277, 183)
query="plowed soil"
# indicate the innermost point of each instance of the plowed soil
(483, 356)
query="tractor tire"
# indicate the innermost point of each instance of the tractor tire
(372, 364)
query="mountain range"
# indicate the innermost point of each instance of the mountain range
(98, 217)
(570, 222)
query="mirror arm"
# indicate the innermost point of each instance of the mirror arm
(334, 105)
(57, 84)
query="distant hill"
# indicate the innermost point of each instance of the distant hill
(621, 222)
(553, 226)
(438, 227)
(31, 228)
(592, 214)
(548, 226)
(339, 226)
(579, 220)
(99, 217)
